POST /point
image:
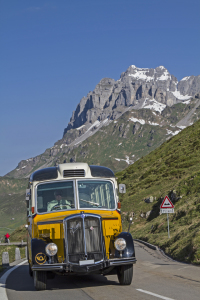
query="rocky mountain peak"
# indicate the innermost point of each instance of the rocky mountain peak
(135, 87)
(148, 75)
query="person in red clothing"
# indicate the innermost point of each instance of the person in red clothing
(7, 235)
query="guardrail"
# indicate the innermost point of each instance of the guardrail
(15, 243)
(147, 244)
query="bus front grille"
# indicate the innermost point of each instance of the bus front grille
(83, 238)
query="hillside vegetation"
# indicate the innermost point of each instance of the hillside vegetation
(173, 169)
(12, 204)
(19, 234)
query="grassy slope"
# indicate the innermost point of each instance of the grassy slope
(172, 169)
(12, 204)
(19, 234)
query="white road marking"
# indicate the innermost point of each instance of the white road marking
(155, 295)
(3, 294)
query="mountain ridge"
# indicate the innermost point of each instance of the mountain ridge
(134, 85)
(137, 89)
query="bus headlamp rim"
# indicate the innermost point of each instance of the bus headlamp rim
(51, 249)
(120, 244)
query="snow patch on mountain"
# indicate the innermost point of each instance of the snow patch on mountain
(185, 78)
(140, 74)
(152, 123)
(182, 127)
(80, 127)
(173, 132)
(134, 67)
(179, 96)
(141, 121)
(186, 102)
(63, 145)
(127, 160)
(161, 67)
(153, 105)
(164, 76)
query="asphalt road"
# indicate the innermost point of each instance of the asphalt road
(155, 277)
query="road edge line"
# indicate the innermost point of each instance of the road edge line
(3, 294)
(153, 294)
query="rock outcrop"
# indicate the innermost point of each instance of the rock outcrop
(135, 87)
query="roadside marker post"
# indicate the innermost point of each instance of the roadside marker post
(168, 225)
(167, 207)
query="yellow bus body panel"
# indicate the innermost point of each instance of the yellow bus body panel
(111, 225)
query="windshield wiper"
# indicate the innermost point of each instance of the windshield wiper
(97, 204)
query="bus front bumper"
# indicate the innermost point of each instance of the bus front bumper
(59, 267)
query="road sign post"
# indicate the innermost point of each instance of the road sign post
(167, 207)
(168, 225)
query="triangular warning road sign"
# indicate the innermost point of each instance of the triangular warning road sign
(167, 203)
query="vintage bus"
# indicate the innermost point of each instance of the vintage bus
(74, 224)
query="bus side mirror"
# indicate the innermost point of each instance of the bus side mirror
(28, 199)
(28, 194)
(122, 188)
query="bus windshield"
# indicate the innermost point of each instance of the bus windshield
(96, 194)
(55, 196)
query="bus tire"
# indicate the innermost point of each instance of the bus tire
(125, 274)
(30, 270)
(40, 280)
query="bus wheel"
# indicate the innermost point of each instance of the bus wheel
(30, 271)
(125, 274)
(40, 280)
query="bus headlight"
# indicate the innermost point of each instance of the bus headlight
(51, 249)
(120, 244)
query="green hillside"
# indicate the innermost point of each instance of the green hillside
(172, 169)
(12, 204)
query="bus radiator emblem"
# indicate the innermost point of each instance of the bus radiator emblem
(40, 258)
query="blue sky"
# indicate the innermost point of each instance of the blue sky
(54, 52)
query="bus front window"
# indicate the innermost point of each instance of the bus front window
(55, 196)
(96, 194)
